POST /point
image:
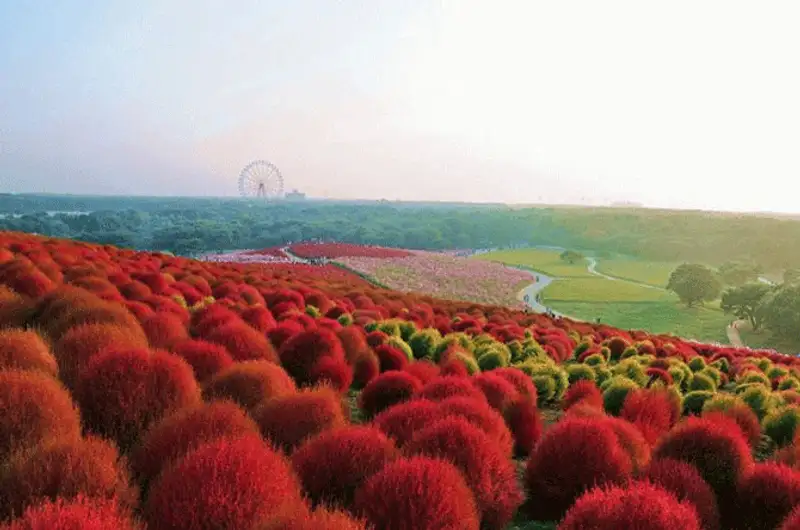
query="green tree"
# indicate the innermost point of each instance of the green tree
(737, 274)
(571, 256)
(782, 312)
(694, 283)
(746, 302)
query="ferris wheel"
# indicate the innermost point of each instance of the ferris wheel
(261, 179)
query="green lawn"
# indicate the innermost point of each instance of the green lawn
(649, 272)
(699, 323)
(595, 289)
(545, 261)
(764, 339)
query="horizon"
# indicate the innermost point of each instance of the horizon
(572, 104)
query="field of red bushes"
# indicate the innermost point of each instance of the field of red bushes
(344, 250)
(146, 391)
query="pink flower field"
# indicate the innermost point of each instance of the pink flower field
(446, 276)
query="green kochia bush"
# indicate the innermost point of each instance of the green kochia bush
(694, 401)
(631, 369)
(754, 377)
(615, 390)
(701, 381)
(407, 329)
(538, 370)
(697, 363)
(400, 344)
(423, 343)
(577, 372)
(789, 383)
(452, 339)
(722, 401)
(594, 360)
(545, 388)
(759, 398)
(603, 373)
(781, 424)
(491, 360)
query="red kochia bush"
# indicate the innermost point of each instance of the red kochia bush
(81, 513)
(334, 464)
(634, 505)
(581, 453)
(287, 421)
(22, 349)
(164, 330)
(63, 469)
(518, 378)
(283, 331)
(649, 410)
(391, 358)
(205, 358)
(685, 482)
(34, 407)
(444, 387)
(718, 450)
(333, 372)
(76, 347)
(480, 414)
(745, 418)
(249, 383)
(423, 370)
(499, 392)
(490, 473)
(243, 342)
(419, 493)
(386, 390)
(184, 430)
(584, 392)
(525, 423)
(225, 484)
(401, 421)
(320, 519)
(122, 393)
(354, 342)
(302, 352)
(765, 496)
(366, 367)
(259, 318)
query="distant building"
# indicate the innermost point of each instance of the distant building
(295, 195)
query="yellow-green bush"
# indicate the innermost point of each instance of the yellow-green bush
(753, 377)
(694, 401)
(631, 369)
(696, 363)
(491, 360)
(400, 344)
(551, 370)
(577, 372)
(722, 401)
(759, 398)
(423, 343)
(789, 383)
(701, 381)
(615, 390)
(781, 424)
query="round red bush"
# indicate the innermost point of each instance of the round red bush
(766, 494)
(386, 390)
(333, 465)
(423, 370)
(401, 421)
(490, 474)
(184, 430)
(34, 407)
(354, 342)
(210, 317)
(480, 414)
(206, 358)
(320, 519)
(525, 423)
(63, 468)
(419, 493)
(445, 387)
(122, 392)
(685, 482)
(376, 338)
(22, 349)
(391, 358)
(249, 383)
(581, 453)
(260, 318)
(80, 513)
(634, 505)
(520, 380)
(225, 484)
(631, 440)
(650, 411)
(584, 392)
(499, 392)
(718, 450)
(302, 352)
(744, 416)
(366, 367)
(79, 345)
(243, 342)
(284, 331)
(332, 372)
(287, 421)
(164, 330)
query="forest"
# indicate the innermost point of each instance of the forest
(190, 226)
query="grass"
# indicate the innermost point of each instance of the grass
(765, 339)
(665, 316)
(649, 272)
(544, 261)
(601, 290)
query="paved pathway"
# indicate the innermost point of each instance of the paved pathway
(734, 337)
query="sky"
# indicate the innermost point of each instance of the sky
(680, 104)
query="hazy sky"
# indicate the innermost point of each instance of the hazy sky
(678, 104)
